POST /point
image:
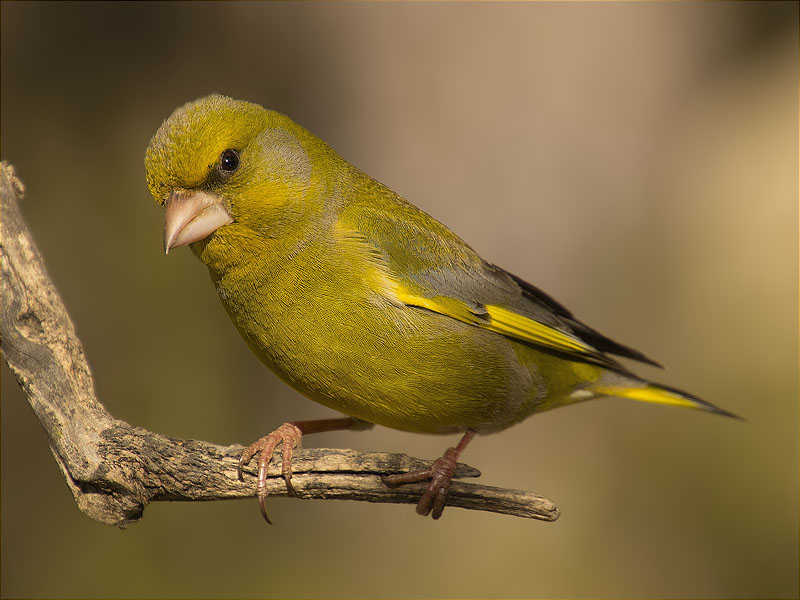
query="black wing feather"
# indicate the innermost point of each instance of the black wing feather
(586, 333)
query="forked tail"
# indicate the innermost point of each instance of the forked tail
(659, 394)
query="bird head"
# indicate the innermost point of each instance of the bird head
(217, 161)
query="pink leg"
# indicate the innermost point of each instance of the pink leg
(290, 435)
(441, 473)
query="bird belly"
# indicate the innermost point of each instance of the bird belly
(326, 328)
(399, 366)
(424, 373)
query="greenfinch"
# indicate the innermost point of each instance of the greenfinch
(363, 302)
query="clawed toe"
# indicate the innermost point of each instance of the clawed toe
(290, 436)
(440, 474)
(434, 498)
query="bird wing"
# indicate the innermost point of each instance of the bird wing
(434, 269)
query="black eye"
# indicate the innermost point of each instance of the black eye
(229, 161)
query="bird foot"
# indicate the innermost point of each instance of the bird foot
(440, 474)
(287, 434)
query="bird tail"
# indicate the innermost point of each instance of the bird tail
(659, 394)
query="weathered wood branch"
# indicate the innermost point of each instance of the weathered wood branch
(115, 469)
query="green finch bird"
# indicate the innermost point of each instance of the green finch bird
(363, 302)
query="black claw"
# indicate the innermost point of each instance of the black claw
(289, 486)
(262, 504)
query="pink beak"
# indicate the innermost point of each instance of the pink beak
(191, 216)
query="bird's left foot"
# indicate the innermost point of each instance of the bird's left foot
(290, 435)
(287, 434)
(440, 474)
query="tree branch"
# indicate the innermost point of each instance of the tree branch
(115, 469)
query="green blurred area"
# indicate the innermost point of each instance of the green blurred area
(638, 161)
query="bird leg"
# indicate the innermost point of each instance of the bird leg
(440, 474)
(290, 435)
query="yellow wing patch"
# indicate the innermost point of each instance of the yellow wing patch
(500, 320)
(515, 325)
(442, 305)
(491, 317)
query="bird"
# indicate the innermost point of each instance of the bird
(363, 302)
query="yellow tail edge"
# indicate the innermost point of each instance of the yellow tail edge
(659, 394)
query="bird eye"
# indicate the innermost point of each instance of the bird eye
(229, 161)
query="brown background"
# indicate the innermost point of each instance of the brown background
(637, 161)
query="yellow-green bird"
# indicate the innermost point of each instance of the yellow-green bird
(363, 302)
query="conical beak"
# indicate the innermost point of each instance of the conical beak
(191, 216)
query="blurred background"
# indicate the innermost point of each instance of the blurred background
(638, 161)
